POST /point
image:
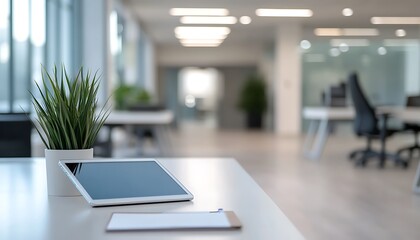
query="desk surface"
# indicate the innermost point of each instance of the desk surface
(27, 212)
(162, 117)
(329, 113)
(409, 114)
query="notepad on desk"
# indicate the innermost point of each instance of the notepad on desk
(176, 220)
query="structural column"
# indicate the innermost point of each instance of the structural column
(95, 49)
(287, 80)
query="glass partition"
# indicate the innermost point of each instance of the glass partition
(32, 32)
(388, 69)
(5, 56)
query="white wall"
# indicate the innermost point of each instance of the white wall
(224, 55)
(287, 82)
(150, 69)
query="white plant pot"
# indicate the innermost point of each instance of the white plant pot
(57, 182)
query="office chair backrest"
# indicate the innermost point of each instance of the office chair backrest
(365, 122)
(15, 135)
(413, 101)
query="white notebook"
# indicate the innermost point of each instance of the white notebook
(177, 220)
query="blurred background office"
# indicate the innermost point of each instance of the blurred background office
(204, 66)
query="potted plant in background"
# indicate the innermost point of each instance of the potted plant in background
(253, 101)
(129, 96)
(67, 122)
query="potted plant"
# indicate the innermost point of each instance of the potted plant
(128, 96)
(67, 122)
(253, 101)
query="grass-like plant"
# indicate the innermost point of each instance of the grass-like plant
(66, 110)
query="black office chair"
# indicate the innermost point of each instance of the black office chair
(412, 101)
(15, 135)
(366, 124)
(335, 95)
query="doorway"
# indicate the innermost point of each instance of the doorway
(199, 94)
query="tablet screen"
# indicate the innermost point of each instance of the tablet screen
(131, 179)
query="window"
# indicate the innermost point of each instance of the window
(32, 32)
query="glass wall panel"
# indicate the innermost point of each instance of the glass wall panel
(21, 55)
(388, 69)
(52, 25)
(4, 56)
(38, 38)
(27, 41)
(66, 35)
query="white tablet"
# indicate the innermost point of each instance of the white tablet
(124, 181)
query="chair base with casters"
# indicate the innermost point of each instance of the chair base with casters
(363, 155)
(416, 129)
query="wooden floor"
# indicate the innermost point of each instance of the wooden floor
(326, 199)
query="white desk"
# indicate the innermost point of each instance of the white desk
(317, 134)
(163, 117)
(26, 212)
(157, 121)
(320, 117)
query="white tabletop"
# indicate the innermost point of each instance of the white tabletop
(162, 117)
(330, 113)
(26, 212)
(408, 114)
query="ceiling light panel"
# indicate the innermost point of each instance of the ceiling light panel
(360, 32)
(201, 41)
(328, 32)
(199, 12)
(266, 12)
(208, 20)
(336, 32)
(199, 45)
(395, 20)
(202, 32)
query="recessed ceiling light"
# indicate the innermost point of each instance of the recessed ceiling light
(208, 20)
(305, 44)
(265, 12)
(346, 32)
(395, 20)
(400, 33)
(343, 47)
(347, 12)
(245, 20)
(382, 51)
(199, 12)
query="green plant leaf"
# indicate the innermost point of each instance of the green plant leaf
(66, 109)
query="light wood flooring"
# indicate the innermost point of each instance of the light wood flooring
(325, 199)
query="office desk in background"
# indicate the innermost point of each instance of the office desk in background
(27, 212)
(155, 121)
(321, 117)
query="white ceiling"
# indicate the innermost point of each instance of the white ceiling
(154, 16)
